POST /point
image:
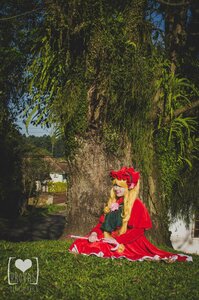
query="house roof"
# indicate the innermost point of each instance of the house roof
(56, 166)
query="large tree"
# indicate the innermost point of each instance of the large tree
(117, 98)
(88, 78)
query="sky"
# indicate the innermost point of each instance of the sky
(33, 130)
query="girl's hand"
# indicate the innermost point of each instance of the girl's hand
(111, 241)
(93, 237)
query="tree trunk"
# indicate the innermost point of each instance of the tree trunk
(157, 206)
(90, 184)
(175, 32)
(193, 29)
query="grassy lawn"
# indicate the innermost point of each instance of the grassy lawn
(66, 276)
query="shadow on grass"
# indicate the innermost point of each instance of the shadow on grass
(37, 224)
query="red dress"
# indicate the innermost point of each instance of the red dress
(136, 245)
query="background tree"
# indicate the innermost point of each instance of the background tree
(45, 142)
(15, 39)
(176, 143)
(11, 196)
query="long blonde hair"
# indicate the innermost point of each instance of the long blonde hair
(129, 199)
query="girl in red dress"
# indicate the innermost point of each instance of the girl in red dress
(120, 231)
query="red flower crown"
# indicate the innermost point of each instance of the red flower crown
(128, 174)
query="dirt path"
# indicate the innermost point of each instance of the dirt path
(33, 228)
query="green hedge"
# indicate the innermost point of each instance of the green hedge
(57, 187)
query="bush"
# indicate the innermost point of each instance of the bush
(57, 187)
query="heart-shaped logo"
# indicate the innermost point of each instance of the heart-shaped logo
(23, 265)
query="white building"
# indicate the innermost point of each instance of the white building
(58, 176)
(57, 169)
(57, 173)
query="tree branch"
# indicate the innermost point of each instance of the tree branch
(182, 110)
(177, 112)
(20, 15)
(174, 3)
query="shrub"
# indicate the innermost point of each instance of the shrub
(57, 187)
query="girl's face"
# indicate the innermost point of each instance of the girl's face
(119, 191)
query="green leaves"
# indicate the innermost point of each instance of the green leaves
(176, 142)
(182, 129)
(57, 187)
(84, 46)
(176, 93)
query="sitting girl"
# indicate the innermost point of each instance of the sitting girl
(120, 231)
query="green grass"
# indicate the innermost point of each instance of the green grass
(45, 209)
(67, 276)
(54, 208)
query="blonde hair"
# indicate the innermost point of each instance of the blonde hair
(129, 199)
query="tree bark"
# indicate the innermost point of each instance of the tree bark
(157, 207)
(90, 184)
(175, 31)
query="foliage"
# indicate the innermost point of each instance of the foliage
(83, 75)
(43, 142)
(67, 276)
(11, 153)
(95, 66)
(111, 139)
(44, 210)
(176, 91)
(15, 37)
(56, 187)
(185, 193)
(176, 143)
(52, 146)
(54, 208)
(142, 128)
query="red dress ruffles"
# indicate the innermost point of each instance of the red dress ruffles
(136, 245)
